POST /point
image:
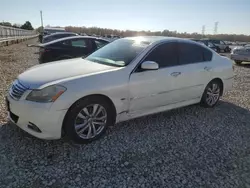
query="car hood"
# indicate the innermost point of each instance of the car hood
(242, 50)
(39, 75)
(238, 48)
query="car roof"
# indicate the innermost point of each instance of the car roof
(74, 37)
(61, 33)
(211, 39)
(158, 39)
(54, 28)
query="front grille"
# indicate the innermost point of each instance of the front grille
(17, 90)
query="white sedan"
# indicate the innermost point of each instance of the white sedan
(128, 78)
(240, 54)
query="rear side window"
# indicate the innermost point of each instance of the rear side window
(215, 41)
(79, 43)
(165, 55)
(190, 53)
(100, 43)
(48, 39)
(221, 42)
(207, 54)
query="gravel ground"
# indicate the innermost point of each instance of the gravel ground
(188, 147)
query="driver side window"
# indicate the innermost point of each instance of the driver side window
(221, 42)
(166, 55)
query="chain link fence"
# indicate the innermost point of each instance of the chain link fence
(11, 32)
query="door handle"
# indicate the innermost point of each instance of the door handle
(175, 74)
(207, 68)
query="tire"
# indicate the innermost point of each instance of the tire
(77, 119)
(215, 88)
(227, 50)
(218, 50)
(238, 62)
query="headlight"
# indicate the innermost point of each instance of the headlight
(235, 51)
(48, 94)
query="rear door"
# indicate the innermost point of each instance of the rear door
(195, 71)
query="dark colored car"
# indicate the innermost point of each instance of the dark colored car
(58, 35)
(70, 47)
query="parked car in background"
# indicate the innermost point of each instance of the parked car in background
(125, 79)
(193, 39)
(59, 35)
(48, 31)
(240, 54)
(221, 45)
(210, 45)
(69, 47)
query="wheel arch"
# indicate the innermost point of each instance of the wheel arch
(88, 96)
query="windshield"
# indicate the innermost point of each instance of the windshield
(118, 53)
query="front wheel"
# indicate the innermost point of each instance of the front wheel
(88, 119)
(211, 94)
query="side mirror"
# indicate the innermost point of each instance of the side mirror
(149, 65)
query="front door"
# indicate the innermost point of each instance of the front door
(154, 88)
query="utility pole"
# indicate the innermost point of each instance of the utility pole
(216, 27)
(203, 30)
(41, 14)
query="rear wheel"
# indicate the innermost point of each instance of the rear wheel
(238, 62)
(228, 49)
(88, 119)
(211, 94)
(218, 50)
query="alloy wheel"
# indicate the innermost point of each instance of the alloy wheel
(90, 121)
(213, 94)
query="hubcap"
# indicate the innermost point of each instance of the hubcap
(213, 94)
(90, 121)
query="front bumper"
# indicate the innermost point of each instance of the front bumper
(228, 84)
(238, 57)
(24, 113)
